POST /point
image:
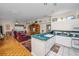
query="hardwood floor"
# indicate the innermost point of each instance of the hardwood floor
(11, 47)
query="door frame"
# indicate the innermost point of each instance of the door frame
(1, 29)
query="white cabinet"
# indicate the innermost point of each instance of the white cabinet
(65, 25)
(76, 25)
(61, 25)
(40, 47)
(66, 41)
(37, 47)
(58, 39)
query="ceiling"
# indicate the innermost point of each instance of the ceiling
(26, 11)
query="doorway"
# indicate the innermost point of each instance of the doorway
(48, 28)
(1, 30)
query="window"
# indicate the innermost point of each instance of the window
(19, 27)
(70, 17)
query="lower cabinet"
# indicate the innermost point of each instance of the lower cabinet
(66, 41)
(58, 39)
(40, 47)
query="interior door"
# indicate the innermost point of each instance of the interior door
(1, 31)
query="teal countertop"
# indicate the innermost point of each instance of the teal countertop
(41, 36)
(44, 38)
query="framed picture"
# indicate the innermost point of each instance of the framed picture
(54, 19)
(7, 27)
(70, 17)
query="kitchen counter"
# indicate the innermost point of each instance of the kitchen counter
(71, 34)
(42, 43)
(43, 37)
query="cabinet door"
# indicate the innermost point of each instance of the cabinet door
(58, 39)
(38, 47)
(52, 41)
(67, 41)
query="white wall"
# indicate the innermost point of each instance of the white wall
(4, 23)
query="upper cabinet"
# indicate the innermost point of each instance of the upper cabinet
(65, 21)
(61, 25)
(65, 25)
